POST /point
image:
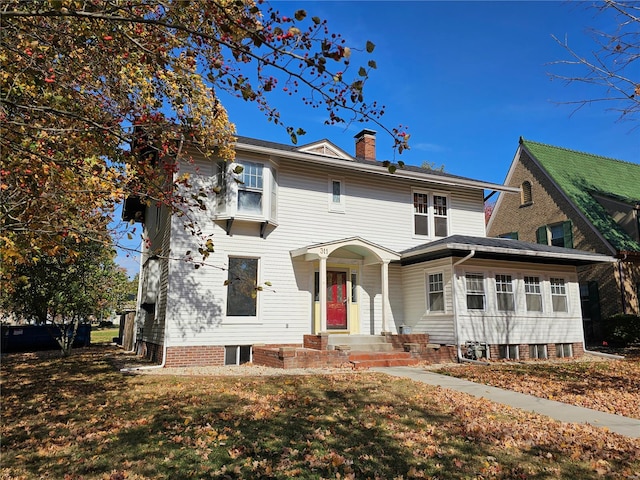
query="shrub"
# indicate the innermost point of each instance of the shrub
(622, 329)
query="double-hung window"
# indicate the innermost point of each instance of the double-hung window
(421, 213)
(440, 215)
(558, 295)
(430, 214)
(475, 291)
(246, 191)
(533, 294)
(435, 292)
(250, 190)
(504, 293)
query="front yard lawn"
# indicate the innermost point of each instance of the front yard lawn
(79, 418)
(611, 386)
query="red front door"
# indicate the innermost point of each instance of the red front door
(336, 300)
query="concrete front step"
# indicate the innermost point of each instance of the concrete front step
(353, 340)
(381, 359)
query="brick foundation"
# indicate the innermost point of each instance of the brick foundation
(196, 356)
(299, 357)
(577, 349)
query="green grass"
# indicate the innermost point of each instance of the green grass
(103, 335)
(79, 417)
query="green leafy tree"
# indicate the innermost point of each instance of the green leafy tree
(63, 291)
(85, 83)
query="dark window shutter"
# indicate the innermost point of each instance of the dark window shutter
(567, 231)
(594, 302)
(541, 235)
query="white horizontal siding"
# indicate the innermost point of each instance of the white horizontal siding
(498, 327)
(440, 327)
(377, 209)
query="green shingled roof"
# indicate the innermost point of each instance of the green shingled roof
(580, 175)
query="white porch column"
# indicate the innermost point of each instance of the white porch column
(385, 293)
(323, 292)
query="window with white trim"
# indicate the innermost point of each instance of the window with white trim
(246, 190)
(538, 351)
(533, 294)
(430, 214)
(336, 195)
(241, 284)
(475, 291)
(421, 213)
(250, 189)
(435, 292)
(504, 293)
(558, 295)
(508, 351)
(440, 220)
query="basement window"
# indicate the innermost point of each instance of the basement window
(508, 351)
(538, 351)
(564, 350)
(237, 354)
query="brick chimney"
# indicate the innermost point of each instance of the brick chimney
(366, 145)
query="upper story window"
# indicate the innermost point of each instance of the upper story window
(475, 291)
(421, 213)
(430, 214)
(526, 195)
(246, 190)
(336, 195)
(440, 215)
(556, 234)
(250, 188)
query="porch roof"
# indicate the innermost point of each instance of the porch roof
(369, 251)
(500, 249)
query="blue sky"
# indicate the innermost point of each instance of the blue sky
(467, 78)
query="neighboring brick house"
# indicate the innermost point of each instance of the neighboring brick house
(583, 201)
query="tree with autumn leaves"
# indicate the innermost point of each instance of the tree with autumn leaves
(88, 87)
(80, 77)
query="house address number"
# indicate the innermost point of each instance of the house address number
(324, 251)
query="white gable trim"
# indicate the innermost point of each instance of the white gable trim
(325, 148)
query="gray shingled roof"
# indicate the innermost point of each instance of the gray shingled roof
(500, 248)
(296, 148)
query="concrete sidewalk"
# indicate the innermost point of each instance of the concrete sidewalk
(556, 410)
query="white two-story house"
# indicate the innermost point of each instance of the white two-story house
(312, 241)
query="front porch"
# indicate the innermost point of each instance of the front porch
(355, 351)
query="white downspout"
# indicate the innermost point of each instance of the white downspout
(166, 330)
(455, 313)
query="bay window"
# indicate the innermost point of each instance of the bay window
(246, 190)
